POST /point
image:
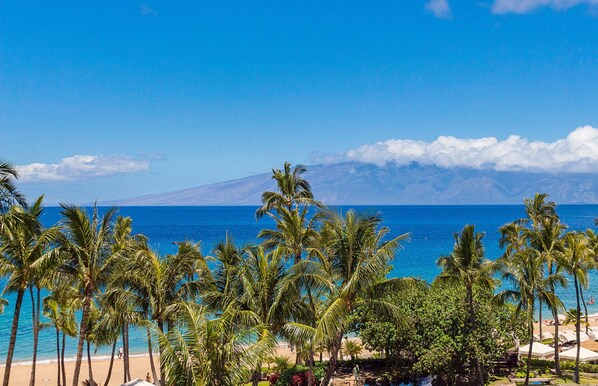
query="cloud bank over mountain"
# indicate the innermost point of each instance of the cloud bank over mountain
(576, 153)
(84, 166)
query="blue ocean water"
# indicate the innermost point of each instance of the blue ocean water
(431, 230)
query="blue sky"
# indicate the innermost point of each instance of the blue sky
(164, 95)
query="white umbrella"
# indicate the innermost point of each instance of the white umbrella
(585, 355)
(593, 333)
(567, 336)
(547, 335)
(539, 350)
(137, 382)
(583, 336)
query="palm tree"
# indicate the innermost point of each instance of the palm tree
(88, 259)
(466, 264)
(578, 261)
(356, 259)
(262, 275)
(154, 283)
(24, 246)
(294, 232)
(201, 350)
(9, 195)
(525, 272)
(58, 307)
(292, 189)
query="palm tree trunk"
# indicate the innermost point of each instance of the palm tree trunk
(476, 361)
(58, 355)
(332, 361)
(63, 368)
(91, 381)
(540, 317)
(310, 370)
(531, 343)
(151, 355)
(82, 333)
(35, 310)
(161, 328)
(557, 361)
(585, 309)
(577, 328)
(124, 336)
(13, 336)
(127, 352)
(111, 362)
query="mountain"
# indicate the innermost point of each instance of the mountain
(360, 183)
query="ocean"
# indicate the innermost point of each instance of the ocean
(431, 230)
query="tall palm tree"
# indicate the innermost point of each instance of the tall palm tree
(467, 264)
(155, 283)
(292, 189)
(578, 260)
(9, 195)
(262, 276)
(88, 259)
(24, 246)
(525, 272)
(294, 232)
(356, 257)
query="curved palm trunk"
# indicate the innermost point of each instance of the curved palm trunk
(111, 363)
(151, 354)
(82, 333)
(161, 328)
(58, 355)
(35, 311)
(557, 361)
(577, 328)
(63, 369)
(91, 381)
(585, 308)
(13, 336)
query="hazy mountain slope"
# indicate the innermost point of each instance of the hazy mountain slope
(358, 183)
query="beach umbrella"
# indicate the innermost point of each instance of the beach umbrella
(593, 333)
(539, 350)
(585, 355)
(137, 382)
(567, 336)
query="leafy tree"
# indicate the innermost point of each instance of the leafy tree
(467, 264)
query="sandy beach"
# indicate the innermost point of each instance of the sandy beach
(46, 371)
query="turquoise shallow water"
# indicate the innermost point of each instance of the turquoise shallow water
(431, 229)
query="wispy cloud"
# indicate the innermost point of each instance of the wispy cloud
(525, 6)
(148, 11)
(85, 166)
(578, 152)
(440, 8)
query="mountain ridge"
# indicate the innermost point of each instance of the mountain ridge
(354, 183)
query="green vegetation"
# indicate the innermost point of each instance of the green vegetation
(314, 278)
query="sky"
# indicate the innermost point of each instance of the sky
(113, 99)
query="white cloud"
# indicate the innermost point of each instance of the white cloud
(578, 152)
(524, 6)
(440, 8)
(84, 166)
(146, 10)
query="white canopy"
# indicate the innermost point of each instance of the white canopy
(567, 336)
(593, 333)
(585, 355)
(137, 382)
(539, 350)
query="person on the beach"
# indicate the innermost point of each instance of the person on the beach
(148, 378)
(356, 373)
(120, 353)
